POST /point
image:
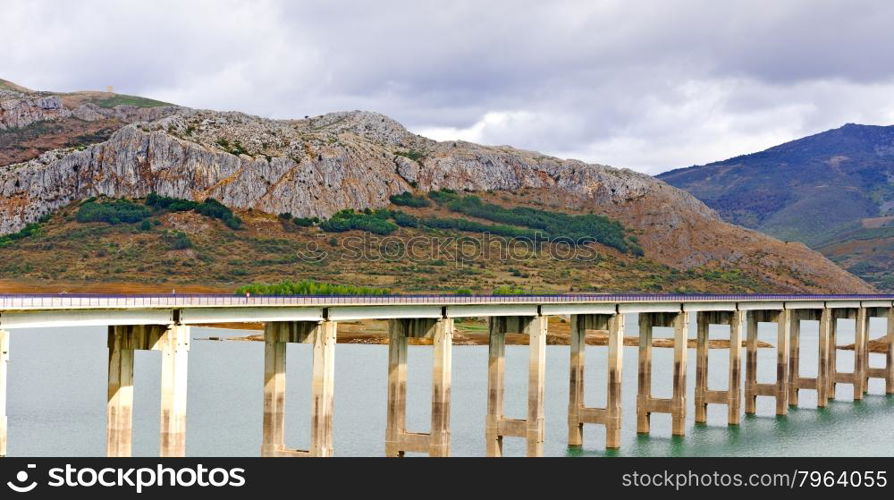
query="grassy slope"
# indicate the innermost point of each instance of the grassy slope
(75, 256)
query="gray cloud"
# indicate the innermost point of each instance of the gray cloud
(648, 85)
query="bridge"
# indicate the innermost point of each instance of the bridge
(162, 323)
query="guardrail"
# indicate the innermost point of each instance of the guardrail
(97, 301)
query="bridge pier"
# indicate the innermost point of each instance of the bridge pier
(173, 342)
(397, 440)
(497, 426)
(886, 372)
(855, 378)
(732, 396)
(645, 403)
(780, 388)
(578, 413)
(820, 382)
(322, 336)
(4, 359)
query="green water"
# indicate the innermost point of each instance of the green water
(57, 393)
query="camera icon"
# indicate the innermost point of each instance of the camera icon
(19, 485)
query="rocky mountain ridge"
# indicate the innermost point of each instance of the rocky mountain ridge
(317, 166)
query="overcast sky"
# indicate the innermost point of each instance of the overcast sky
(649, 85)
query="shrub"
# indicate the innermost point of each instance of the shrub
(462, 291)
(375, 222)
(407, 199)
(25, 232)
(406, 220)
(146, 225)
(179, 240)
(308, 287)
(112, 212)
(443, 196)
(209, 208)
(507, 290)
(305, 221)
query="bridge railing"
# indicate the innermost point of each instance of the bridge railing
(122, 301)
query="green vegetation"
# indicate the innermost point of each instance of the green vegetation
(29, 230)
(405, 220)
(234, 148)
(209, 208)
(372, 221)
(111, 212)
(556, 226)
(407, 199)
(463, 291)
(178, 240)
(478, 227)
(305, 221)
(308, 287)
(129, 100)
(508, 290)
(411, 154)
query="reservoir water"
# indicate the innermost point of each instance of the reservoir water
(57, 397)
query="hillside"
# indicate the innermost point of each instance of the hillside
(316, 167)
(833, 191)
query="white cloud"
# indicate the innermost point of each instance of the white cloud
(643, 84)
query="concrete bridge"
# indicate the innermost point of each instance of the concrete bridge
(162, 323)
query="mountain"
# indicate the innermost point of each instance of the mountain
(659, 237)
(833, 191)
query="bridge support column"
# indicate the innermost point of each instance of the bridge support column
(822, 371)
(4, 359)
(173, 342)
(397, 439)
(497, 426)
(322, 337)
(780, 388)
(886, 372)
(796, 381)
(578, 413)
(857, 377)
(733, 395)
(646, 404)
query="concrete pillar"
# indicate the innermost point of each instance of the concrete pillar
(889, 355)
(734, 391)
(496, 366)
(733, 394)
(442, 362)
(676, 405)
(497, 425)
(615, 374)
(701, 368)
(681, 347)
(860, 352)
(831, 382)
(822, 372)
(644, 377)
(4, 360)
(536, 330)
(321, 335)
(322, 389)
(578, 345)
(751, 364)
(273, 433)
(397, 390)
(397, 440)
(174, 347)
(578, 413)
(794, 366)
(783, 334)
(119, 406)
